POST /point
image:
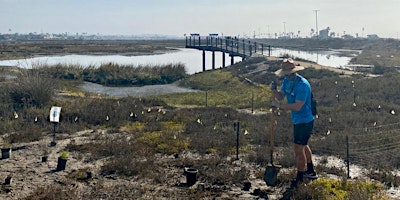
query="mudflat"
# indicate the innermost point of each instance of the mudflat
(26, 49)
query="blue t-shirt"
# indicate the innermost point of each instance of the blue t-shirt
(301, 92)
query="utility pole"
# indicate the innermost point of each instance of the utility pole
(316, 22)
(362, 32)
(284, 29)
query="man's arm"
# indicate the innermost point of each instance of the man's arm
(295, 106)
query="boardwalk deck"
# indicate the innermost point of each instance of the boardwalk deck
(234, 47)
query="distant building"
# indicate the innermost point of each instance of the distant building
(48, 36)
(324, 33)
(372, 36)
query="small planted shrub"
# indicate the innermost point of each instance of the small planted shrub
(64, 154)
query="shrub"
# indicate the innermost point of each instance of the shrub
(340, 190)
(29, 133)
(167, 141)
(32, 90)
(385, 177)
(54, 192)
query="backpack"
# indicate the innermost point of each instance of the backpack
(313, 105)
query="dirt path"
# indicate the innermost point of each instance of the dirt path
(318, 66)
(133, 91)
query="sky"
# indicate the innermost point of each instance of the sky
(180, 17)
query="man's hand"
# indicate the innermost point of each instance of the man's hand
(275, 104)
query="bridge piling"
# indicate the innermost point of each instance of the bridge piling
(213, 59)
(244, 47)
(204, 60)
(223, 59)
(227, 45)
(262, 49)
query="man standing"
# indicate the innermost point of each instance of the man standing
(298, 94)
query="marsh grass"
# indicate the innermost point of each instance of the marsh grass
(127, 75)
(111, 74)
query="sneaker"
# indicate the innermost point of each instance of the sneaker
(310, 175)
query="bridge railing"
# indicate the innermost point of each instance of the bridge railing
(232, 45)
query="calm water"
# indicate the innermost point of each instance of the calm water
(191, 58)
(326, 58)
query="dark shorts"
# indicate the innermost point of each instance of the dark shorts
(302, 132)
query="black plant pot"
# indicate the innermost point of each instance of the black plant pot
(191, 176)
(44, 158)
(5, 153)
(61, 164)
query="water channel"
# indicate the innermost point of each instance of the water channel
(191, 58)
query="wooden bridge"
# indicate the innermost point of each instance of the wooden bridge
(232, 46)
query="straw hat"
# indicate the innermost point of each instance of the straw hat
(288, 67)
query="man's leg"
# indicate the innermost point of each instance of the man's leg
(308, 153)
(302, 133)
(310, 172)
(299, 151)
(300, 161)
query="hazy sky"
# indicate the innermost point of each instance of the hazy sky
(179, 17)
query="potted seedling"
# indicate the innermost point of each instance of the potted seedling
(6, 149)
(62, 160)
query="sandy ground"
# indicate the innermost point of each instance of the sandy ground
(28, 172)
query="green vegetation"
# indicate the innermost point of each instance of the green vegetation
(340, 190)
(116, 75)
(64, 154)
(219, 88)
